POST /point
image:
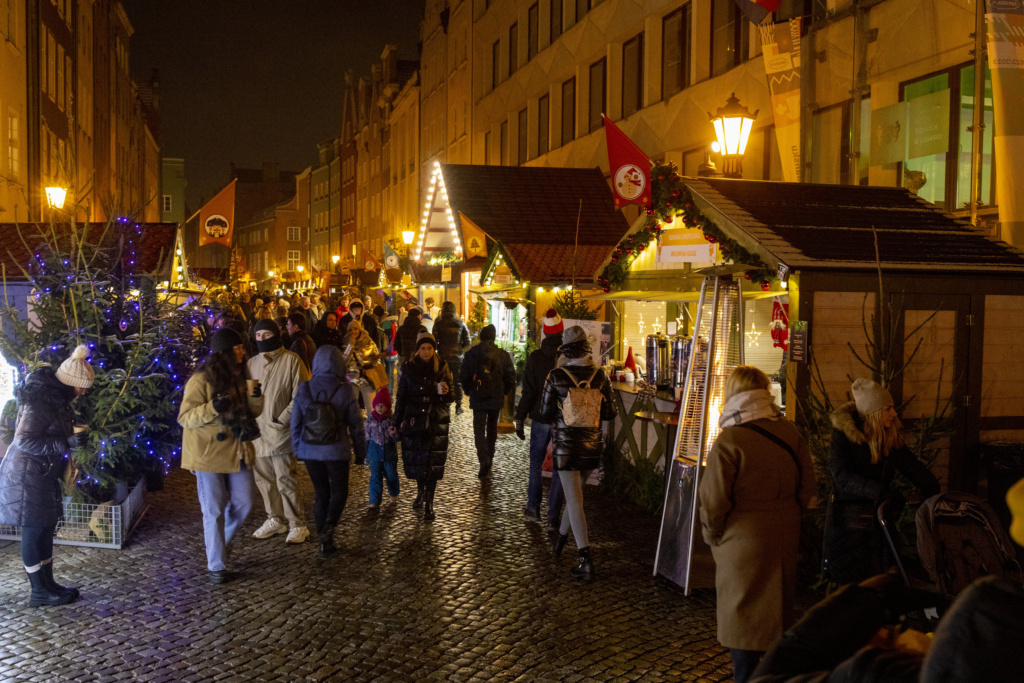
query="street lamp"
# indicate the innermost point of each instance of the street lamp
(732, 128)
(301, 268)
(408, 236)
(55, 197)
(270, 273)
(335, 259)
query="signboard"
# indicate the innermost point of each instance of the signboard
(888, 134)
(686, 246)
(502, 275)
(799, 340)
(928, 129)
(446, 273)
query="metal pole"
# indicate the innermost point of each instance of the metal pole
(978, 118)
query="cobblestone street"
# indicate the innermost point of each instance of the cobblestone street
(471, 596)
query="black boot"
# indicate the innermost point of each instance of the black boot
(326, 538)
(42, 594)
(558, 544)
(47, 572)
(584, 568)
(420, 487)
(428, 513)
(485, 468)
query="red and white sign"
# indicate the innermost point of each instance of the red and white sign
(630, 168)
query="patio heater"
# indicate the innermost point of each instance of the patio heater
(717, 349)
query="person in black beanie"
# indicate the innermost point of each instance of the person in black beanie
(218, 414)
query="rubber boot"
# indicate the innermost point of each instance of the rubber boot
(428, 512)
(43, 595)
(326, 538)
(420, 488)
(47, 572)
(584, 568)
(558, 545)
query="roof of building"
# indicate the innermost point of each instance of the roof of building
(149, 247)
(534, 212)
(807, 225)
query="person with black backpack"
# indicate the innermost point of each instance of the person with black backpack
(326, 429)
(487, 375)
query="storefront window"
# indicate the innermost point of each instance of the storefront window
(759, 349)
(924, 171)
(963, 185)
(639, 319)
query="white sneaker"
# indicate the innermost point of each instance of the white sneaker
(271, 527)
(297, 534)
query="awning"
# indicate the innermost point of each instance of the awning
(675, 297)
(496, 289)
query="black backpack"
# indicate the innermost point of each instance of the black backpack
(487, 381)
(320, 422)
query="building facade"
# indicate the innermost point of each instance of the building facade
(172, 194)
(320, 205)
(274, 241)
(14, 197)
(405, 208)
(349, 160)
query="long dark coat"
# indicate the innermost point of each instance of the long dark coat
(424, 455)
(575, 448)
(30, 473)
(854, 545)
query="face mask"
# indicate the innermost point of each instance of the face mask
(271, 344)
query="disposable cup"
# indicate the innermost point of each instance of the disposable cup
(251, 384)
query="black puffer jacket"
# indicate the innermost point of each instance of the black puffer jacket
(538, 365)
(451, 333)
(575, 448)
(405, 341)
(30, 473)
(483, 355)
(424, 454)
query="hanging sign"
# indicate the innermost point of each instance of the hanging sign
(780, 44)
(799, 339)
(686, 246)
(446, 273)
(502, 275)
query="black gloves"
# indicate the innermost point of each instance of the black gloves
(521, 429)
(221, 403)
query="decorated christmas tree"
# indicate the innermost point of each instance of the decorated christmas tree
(85, 287)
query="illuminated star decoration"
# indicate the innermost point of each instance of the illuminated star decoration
(753, 336)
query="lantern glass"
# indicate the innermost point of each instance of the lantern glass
(408, 236)
(55, 197)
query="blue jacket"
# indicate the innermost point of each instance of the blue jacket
(329, 379)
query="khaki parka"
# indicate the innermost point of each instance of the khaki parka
(200, 449)
(280, 372)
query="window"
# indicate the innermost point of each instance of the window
(513, 48)
(293, 259)
(556, 19)
(294, 233)
(487, 148)
(503, 152)
(495, 64)
(51, 65)
(582, 7)
(543, 125)
(675, 52)
(522, 156)
(165, 206)
(598, 72)
(13, 145)
(730, 36)
(633, 75)
(59, 78)
(532, 31)
(569, 110)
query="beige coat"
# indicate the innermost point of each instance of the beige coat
(200, 449)
(751, 498)
(279, 371)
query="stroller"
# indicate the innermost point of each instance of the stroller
(960, 540)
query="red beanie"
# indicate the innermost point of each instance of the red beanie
(552, 322)
(382, 398)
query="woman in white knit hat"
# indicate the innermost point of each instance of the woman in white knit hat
(30, 473)
(867, 450)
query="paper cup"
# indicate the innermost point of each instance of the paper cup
(250, 385)
(81, 428)
(440, 387)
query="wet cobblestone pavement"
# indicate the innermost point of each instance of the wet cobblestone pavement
(472, 596)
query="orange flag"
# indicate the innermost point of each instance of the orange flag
(217, 218)
(369, 262)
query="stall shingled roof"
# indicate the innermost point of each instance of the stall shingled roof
(532, 212)
(815, 226)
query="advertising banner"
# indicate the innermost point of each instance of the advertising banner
(685, 246)
(780, 44)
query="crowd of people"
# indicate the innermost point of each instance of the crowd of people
(286, 382)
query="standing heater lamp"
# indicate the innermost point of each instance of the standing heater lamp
(717, 349)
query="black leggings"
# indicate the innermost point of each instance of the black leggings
(36, 544)
(330, 489)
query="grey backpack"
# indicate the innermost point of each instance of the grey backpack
(582, 405)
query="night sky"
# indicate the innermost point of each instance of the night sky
(259, 80)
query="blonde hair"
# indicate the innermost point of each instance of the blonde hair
(745, 378)
(880, 439)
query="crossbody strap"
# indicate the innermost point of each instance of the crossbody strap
(784, 446)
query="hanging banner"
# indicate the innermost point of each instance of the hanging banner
(474, 241)
(217, 218)
(685, 246)
(780, 44)
(630, 168)
(757, 10)
(1005, 22)
(369, 262)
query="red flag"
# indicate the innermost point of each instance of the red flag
(630, 168)
(757, 10)
(217, 218)
(369, 262)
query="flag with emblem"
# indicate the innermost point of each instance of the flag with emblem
(217, 218)
(630, 168)
(391, 259)
(369, 262)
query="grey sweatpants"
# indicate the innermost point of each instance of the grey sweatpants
(572, 487)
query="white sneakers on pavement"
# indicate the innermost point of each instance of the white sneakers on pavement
(297, 534)
(271, 527)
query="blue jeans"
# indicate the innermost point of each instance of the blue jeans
(379, 471)
(540, 435)
(225, 500)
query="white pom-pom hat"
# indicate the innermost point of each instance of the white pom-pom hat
(76, 370)
(552, 322)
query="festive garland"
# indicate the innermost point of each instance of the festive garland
(671, 199)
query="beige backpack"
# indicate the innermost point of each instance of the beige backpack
(582, 406)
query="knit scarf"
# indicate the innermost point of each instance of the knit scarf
(748, 406)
